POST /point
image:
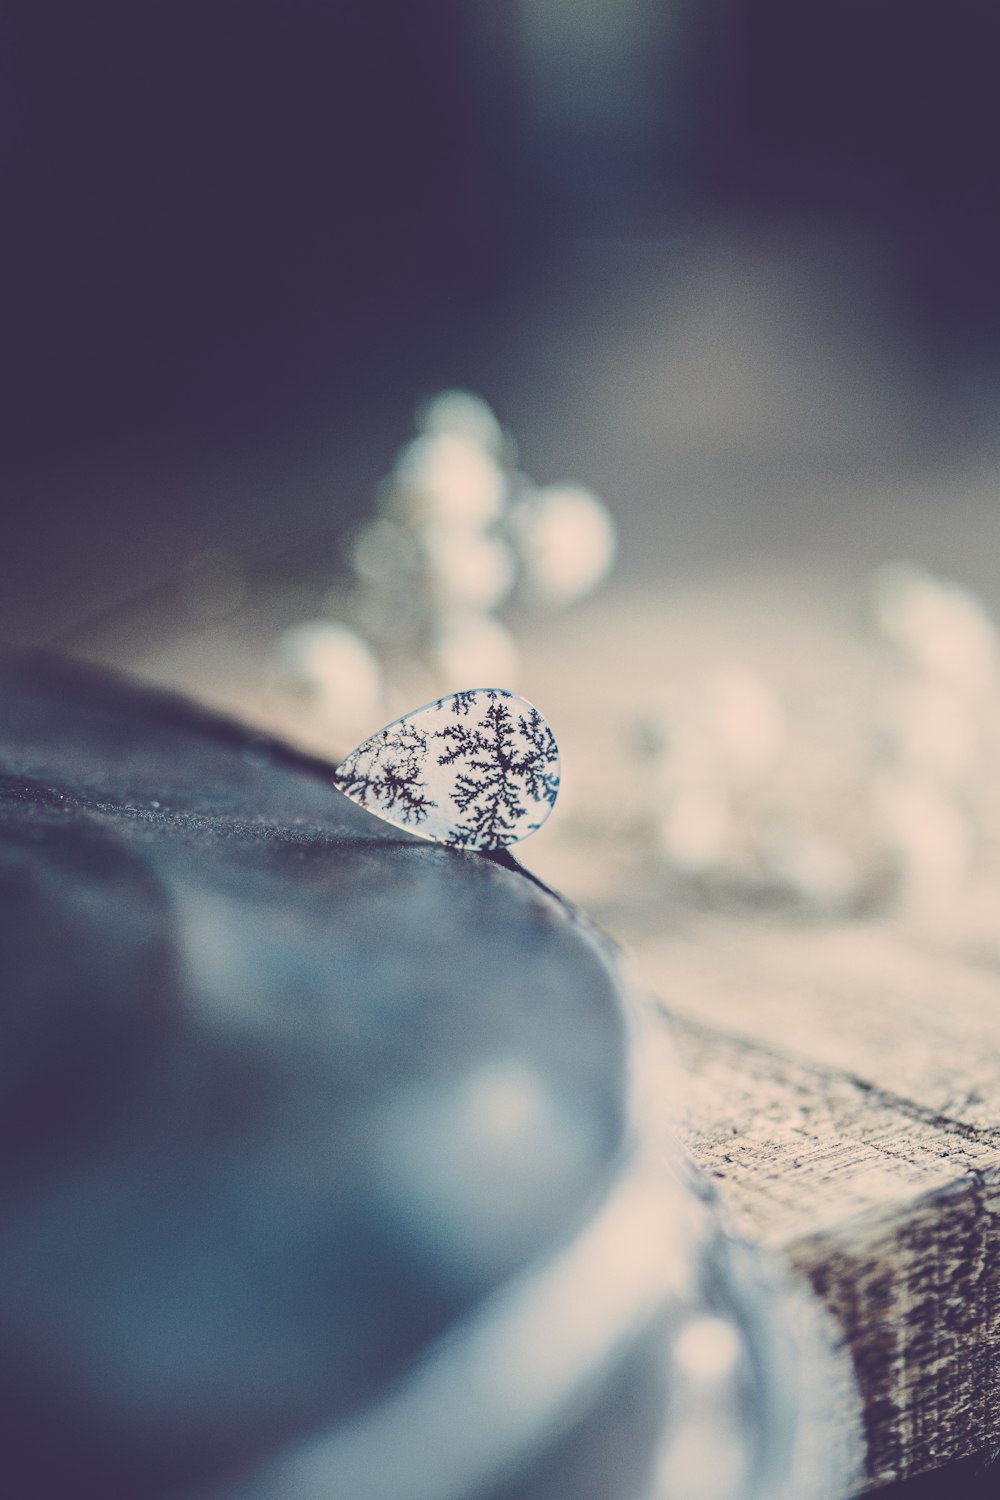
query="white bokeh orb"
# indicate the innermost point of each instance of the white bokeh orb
(468, 649)
(467, 568)
(329, 666)
(939, 627)
(464, 415)
(384, 555)
(446, 477)
(744, 720)
(566, 540)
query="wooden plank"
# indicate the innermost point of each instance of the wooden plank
(916, 1017)
(892, 1214)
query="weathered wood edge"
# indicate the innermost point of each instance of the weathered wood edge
(891, 1215)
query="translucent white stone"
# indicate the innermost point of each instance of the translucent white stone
(475, 770)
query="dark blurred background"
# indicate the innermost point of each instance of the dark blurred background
(243, 239)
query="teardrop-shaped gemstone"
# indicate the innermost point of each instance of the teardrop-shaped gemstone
(476, 770)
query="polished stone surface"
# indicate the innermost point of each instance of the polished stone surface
(254, 1049)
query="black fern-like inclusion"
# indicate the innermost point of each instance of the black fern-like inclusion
(398, 754)
(486, 756)
(502, 760)
(462, 702)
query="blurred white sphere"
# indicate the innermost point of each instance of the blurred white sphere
(815, 871)
(464, 415)
(384, 555)
(930, 728)
(744, 720)
(566, 540)
(330, 666)
(695, 829)
(467, 568)
(727, 728)
(929, 836)
(941, 628)
(468, 649)
(446, 477)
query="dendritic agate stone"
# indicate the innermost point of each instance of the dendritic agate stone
(475, 770)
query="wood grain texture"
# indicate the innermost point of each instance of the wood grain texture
(913, 1014)
(886, 1202)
